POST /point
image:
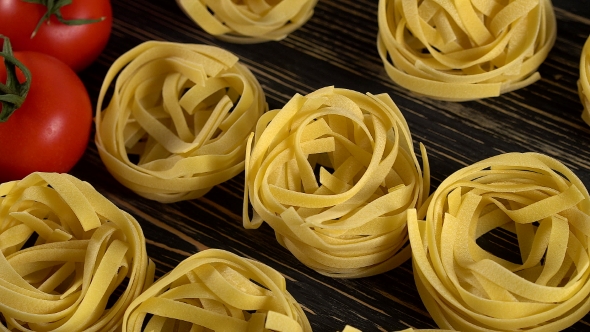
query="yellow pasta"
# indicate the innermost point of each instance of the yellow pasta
(584, 81)
(64, 251)
(423, 330)
(349, 328)
(467, 288)
(178, 119)
(464, 50)
(333, 174)
(249, 21)
(215, 290)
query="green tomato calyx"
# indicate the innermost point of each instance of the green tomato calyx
(13, 93)
(54, 8)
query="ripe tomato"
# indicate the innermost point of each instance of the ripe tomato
(50, 131)
(76, 45)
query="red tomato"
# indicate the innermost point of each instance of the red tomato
(76, 45)
(50, 131)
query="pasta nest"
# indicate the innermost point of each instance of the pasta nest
(178, 119)
(70, 259)
(584, 81)
(249, 21)
(333, 174)
(543, 285)
(464, 50)
(216, 290)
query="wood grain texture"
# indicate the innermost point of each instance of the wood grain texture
(338, 47)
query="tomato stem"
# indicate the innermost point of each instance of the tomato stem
(13, 93)
(53, 8)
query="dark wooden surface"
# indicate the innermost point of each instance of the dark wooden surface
(337, 47)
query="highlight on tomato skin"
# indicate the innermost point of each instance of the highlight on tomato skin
(76, 45)
(49, 132)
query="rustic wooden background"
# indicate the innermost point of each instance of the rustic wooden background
(337, 47)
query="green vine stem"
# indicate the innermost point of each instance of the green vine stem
(54, 8)
(13, 93)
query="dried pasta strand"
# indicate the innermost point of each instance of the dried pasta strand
(584, 81)
(333, 173)
(349, 328)
(217, 290)
(64, 250)
(467, 288)
(464, 50)
(424, 330)
(249, 21)
(178, 119)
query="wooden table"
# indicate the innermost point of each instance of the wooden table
(338, 47)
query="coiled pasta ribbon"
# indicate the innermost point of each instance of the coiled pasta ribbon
(184, 112)
(467, 288)
(217, 291)
(65, 250)
(349, 328)
(333, 174)
(584, 81)
(249, 21)
(424, 330)
(464, 50)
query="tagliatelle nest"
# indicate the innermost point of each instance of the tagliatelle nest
(468, 288)
(333, 174)
(584, 81)
(178, 119)
(249, 21)
(464, 49)
(216, 290)
(65, 249)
